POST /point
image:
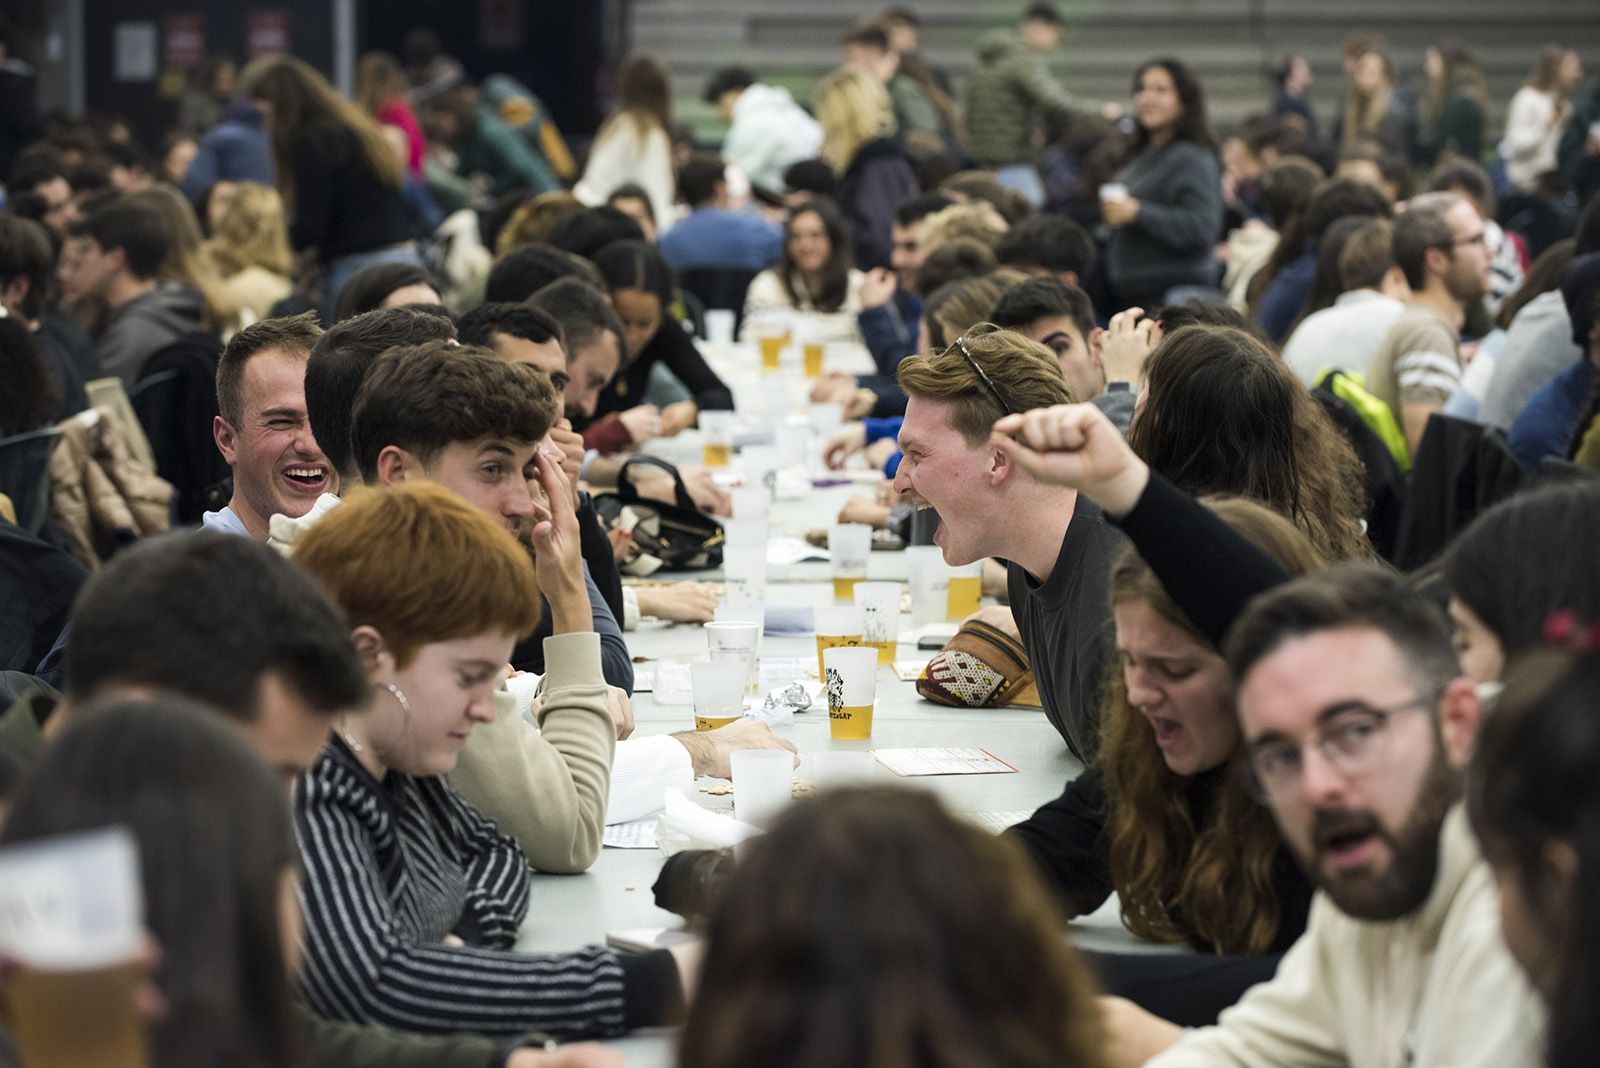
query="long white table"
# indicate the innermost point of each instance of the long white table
(568, 911)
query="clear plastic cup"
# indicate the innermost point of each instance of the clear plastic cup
(880, 607)
(744, 575)
(825, 419)
(850, 683)
(716, 432)
(760, 463)
(735, 643)
(849, 547)
(763, 783)
(718, 690)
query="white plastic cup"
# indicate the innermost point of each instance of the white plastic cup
(832, 768)
(849, 548)
(965, 590)
(836, 627)
(70, 914)
(735, 643)
(740, 535)
(763, 782)
(753, 613)
(880, 608)
(718, 690)
(716, 435)
(825, 419)
(930, 584)
(751, 504)
(849, 685)
(719, 326)
(791, 445)
(744, 576)
(760, 464)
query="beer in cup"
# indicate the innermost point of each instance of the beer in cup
(966, 588)
(836, 628)
(849, 546)
(850, 682)
(716, 431)
(718, 690)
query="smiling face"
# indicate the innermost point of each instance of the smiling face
(906, 255)
(277, 466)
(809, 246)
(1180, 685)
(449, 689)
(943, 470)
(1370, 839)
(1155, 101)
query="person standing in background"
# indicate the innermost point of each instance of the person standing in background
(1538, 112)
(635, 143)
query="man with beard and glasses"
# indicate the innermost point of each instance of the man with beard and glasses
(1357, 723)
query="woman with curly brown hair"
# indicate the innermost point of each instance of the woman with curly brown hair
(1163, 820)
(872, 929)
(1221, 413)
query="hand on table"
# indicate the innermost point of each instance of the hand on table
(1128, 341)
(709, 750)
(1075, 445)
(680, 602)
(655, 484)
(678, 417)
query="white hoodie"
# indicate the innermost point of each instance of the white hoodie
(769, 133)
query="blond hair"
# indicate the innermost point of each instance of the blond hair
(188, 260)
(853, 108)
(1023, 372)
(976, 219)
(251, 232)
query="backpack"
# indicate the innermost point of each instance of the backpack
(1352, 389)
(678, 536)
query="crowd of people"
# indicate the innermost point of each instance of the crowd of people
(1278, 444)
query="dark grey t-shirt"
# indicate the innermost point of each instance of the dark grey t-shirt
(1066, 626)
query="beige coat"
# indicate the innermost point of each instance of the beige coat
(101, 494)
(1436, 989)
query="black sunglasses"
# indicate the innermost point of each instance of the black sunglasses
(1005, 405)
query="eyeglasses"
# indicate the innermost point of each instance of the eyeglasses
(1349, 736)
(1000, 398)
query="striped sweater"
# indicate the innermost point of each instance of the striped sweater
(391, 869)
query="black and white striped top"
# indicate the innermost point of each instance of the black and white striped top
(393, 868)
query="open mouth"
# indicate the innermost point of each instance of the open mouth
(307, 476)
(1168, 731)
(1348, 847)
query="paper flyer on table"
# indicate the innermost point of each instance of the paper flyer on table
(640, 834)
(951, 761)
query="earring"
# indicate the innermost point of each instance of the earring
(399, 695)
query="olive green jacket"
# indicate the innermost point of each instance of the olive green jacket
(1010, 89)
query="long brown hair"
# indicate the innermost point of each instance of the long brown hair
(872, 928)
(916, 67)
(188, 260)
(644, 95)
(300, 97)
(379, 80)
(1546, 73)
(1364, 111)
(1223, 414)
(835, 283)
(1178, 880)
(1462, 76)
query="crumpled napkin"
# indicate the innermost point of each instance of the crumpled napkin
(685, 825)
